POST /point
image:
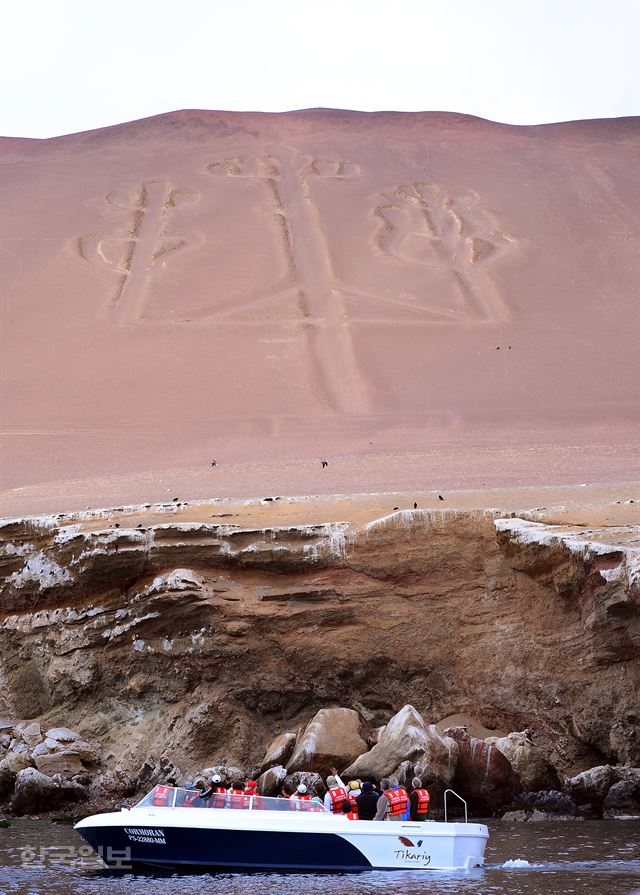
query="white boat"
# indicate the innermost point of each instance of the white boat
(172, 827)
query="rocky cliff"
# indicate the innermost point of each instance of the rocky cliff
(162, 631)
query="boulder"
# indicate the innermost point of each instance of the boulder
(591, 786)
(35, 793)
(32, 735)
(484, 776)
(72, 791)
(59, 763)
(40, 749)
(405, 738)
(231, 776)
(311, 780)
(270, 782)
(330, 739)
(551, 803)
(63, 734)
(7, 782)
(5, 741)
(16, 761)
(436, 767)
(85, 751)
(279, 750)
(623, 799)
(535, 816)
(533, 769)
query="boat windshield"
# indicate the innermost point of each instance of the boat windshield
(177, 797)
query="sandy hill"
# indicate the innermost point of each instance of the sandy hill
(426, 300)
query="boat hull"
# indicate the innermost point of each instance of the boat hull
(167, 839)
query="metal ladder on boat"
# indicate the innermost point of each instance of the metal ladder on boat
(454, 793)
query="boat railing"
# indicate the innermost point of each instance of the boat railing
(181, 797)
(454, 793)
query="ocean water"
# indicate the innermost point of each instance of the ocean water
(38, 857)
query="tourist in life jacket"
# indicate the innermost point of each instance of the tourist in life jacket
(367, 802)
(354, 790)
(250, 792)
(393, 804)
(336, 794)
(299, 797)
(419, 799)
(218, 792)
(236, 797)
(352, 813)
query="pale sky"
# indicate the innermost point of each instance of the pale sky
(71, 66)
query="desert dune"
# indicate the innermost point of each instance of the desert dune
(425, 300)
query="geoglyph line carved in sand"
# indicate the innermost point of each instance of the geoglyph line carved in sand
(424, 225)
(309, 278)
(143, 248)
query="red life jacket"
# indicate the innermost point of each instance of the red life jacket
(397, 801)
(248, 795)
(161, 795)
(423, 800)
(236, 800)
(353, 815)
(302, 798)
(338, 798)
(193, 800)
(218, 799)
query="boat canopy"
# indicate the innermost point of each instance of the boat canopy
(178, 797)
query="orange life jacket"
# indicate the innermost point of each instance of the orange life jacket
(338, 798)
(423, 800)
(193, 800)
(161, 795)
(397, 801)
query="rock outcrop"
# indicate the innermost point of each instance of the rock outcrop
(483, 775)
(176, 635)
(533, 769)
(332, 738)
(279, 751)
(407, 745)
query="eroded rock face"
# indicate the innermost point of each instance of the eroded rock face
(591, 786)
(279, 751)
(312, 780)
(270, 783)
(196, 640)
(533, 769)
(330, 739)
(35, 793)
(406, 738)
(623, 799)
(484, 776)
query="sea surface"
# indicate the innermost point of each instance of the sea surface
(38, 857)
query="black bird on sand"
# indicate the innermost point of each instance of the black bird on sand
(415, 506)
(324, 463)
(440, 497)
(213, 463)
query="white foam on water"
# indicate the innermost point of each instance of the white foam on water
(515, 863)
